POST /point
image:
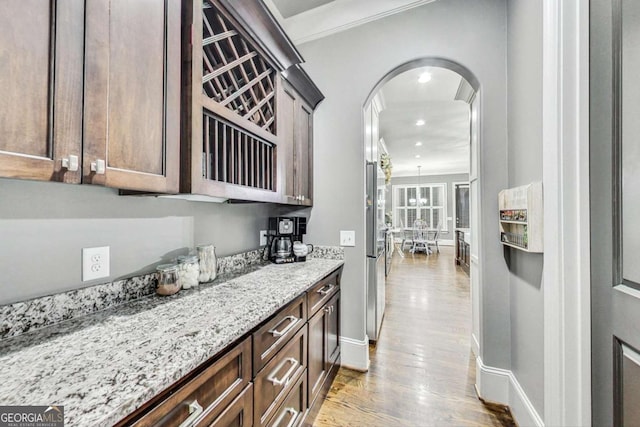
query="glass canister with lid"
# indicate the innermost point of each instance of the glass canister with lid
(188, 270)
(168, 279)
(208, 263)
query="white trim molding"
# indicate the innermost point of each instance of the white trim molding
(565, 152)
(354, 354)
(501, 386)
(335, 17)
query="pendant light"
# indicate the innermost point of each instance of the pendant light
(421, 200)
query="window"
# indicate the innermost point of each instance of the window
(427, 202)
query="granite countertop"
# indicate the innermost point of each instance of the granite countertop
(103, 366)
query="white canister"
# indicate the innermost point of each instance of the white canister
(189, 271)
(208, 263)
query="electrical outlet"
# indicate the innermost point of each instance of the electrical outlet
(263, 237)
(95, 263)
(347, 238)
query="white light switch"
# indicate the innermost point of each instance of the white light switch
(347, 238)
(95, 263)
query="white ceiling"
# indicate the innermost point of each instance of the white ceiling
(289, 8)
(445, 135)
(306, 20)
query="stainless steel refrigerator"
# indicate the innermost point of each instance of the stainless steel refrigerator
(375, 242)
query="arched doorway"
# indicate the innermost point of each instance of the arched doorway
(473, 98)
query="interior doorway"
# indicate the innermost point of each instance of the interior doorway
(421, 126)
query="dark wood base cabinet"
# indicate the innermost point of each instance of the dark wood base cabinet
(463, 251)
(277, 375)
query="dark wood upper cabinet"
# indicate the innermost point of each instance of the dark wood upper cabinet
(41, 63)
(247, 133)
(295, 125)
(230, 144)
(287, 107)
(132, 94)
(298, 98)
(303, 153)
(156, 96)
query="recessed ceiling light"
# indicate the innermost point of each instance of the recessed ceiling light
(418, 144)
(424, 77)
(420, 122)
(417, 156)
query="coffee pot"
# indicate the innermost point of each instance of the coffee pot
(301, 250)
(281, 247)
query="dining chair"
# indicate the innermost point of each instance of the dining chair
(433, 241)
(407, 237)
(420, 230)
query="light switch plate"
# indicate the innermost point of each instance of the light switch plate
(95, 263)
(347, 238)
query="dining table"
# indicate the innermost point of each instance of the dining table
(408, 234)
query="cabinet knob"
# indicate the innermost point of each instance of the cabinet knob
(99, 167)
(71, 163)
(327, 309)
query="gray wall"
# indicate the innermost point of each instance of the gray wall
(524, 65)
(346, 67)
(44, 226)
(431, 179)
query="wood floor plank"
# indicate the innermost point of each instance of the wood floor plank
(422, 371)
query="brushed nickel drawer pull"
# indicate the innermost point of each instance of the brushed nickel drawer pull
(287, 377)
(294, 415)
(195, 409)
(326, 289)
(293, 320)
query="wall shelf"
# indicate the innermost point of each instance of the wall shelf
(521, 217)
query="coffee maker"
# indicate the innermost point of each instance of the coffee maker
(282, 232)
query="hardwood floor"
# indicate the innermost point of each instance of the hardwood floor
(422, 371)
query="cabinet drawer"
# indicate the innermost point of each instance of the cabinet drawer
(271, 337)
(293, 409)
(322, 291)
(210, 392)
(278, 377)
(238, 414)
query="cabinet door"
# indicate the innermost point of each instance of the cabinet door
(333, 330)
(41, 50)
(317, 354)
(304, 153)
(132, 94)
(286, 142)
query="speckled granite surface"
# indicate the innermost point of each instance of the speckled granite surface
(327, 252)
(22, 317)
(103, 366)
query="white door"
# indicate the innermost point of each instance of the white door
(615, 211)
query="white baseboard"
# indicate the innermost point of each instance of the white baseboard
(501, 386)
(492, 384)
(354, 354)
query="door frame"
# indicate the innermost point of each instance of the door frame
(453, 194)
(566, 275)
(473, 167)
